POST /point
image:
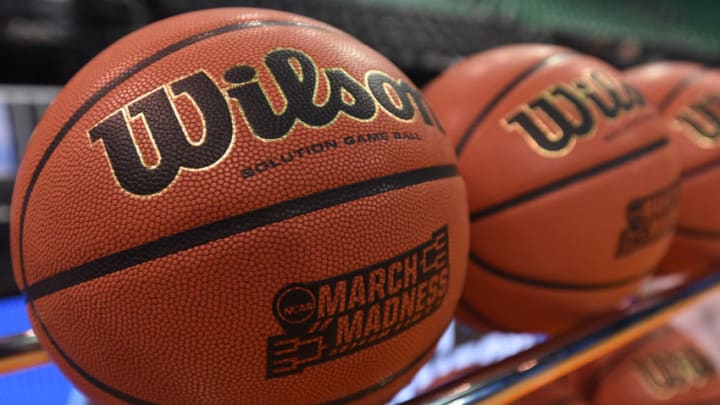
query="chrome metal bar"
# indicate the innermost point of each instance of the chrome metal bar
(20, 351)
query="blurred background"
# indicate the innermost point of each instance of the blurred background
(44, 42)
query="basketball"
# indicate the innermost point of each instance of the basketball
(572, 184)
(665, 367)
(239, 206)
(688, 96)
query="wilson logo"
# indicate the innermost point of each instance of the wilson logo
(702, 118)
(671, 372)
(554, 120)
(296, 77)
(173, 146)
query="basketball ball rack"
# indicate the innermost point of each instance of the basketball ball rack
(504, 380)
(423, 38)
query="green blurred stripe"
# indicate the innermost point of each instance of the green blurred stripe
(684, 25)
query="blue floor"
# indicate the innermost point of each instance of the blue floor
(45, 385)
(38, 385)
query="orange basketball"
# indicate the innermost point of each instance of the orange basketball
(239, 206)
(572, 184)
(666, 367)
(688, 96)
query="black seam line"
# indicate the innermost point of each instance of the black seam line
(133, 400)
(632, 123)
(697, 233)
(695, 171)
(466, 306)
(480, 117)
(483, 265)
(387, 380)
(232, 226)
(84, 108)
(95, 98)
(87, 376)
(564, 182)
(678, 88)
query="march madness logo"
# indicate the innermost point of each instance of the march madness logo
(649, 218)
(327, 319)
